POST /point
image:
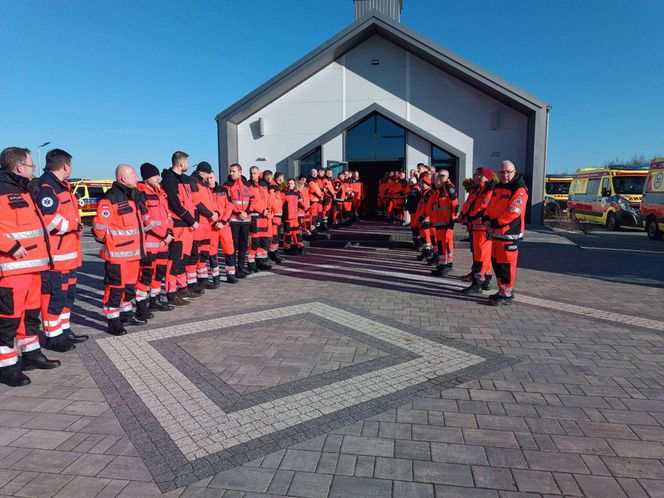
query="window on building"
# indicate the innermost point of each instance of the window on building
(310, 161)
(376, 138)
(442, 159)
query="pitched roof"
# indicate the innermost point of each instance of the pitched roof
(397, 33)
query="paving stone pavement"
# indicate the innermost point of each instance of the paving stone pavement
(576, 409)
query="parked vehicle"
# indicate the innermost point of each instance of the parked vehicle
(556, 191)
(88, 193)
(610, 195)
(652, 204)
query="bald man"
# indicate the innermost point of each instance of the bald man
(119, 225)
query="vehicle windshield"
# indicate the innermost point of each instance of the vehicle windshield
(95, 192)
(631, 185)
(557, 187)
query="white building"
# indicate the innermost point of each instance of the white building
(378, 96)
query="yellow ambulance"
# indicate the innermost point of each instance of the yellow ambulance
(88, 193)
(610, 196)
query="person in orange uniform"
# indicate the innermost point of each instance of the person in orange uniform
(412, 204)
(325, 184)
(221, 235)
(259, 210)
(177, 186)
(338, 200)
(158, 237)
(442, 210)
(474, 208)
(240, 193)
(349, 195)
(305, 212)
(276, 208)
(505, 220)
(381, 203)
(24, 254)
(292, 205)
(427, 233)
(59, 210)
(315, 198)
(358, 195)
(397, 198)
(118, 226)
(206, 207)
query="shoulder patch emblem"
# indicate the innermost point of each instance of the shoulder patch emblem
(518, 200)
(47, 202)
(106, 213)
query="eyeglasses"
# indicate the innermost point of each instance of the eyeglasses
(507, 171)
(29, 165)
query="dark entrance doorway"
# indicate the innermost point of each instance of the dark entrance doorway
(370, 173)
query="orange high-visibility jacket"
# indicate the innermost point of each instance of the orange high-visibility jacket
(161, 222)
(59, 209)
(21, 225)
(118, 225)
(507, 210)
(442, 206)
(240, 193)
(315, 192)
(477, 203)
(201, 194)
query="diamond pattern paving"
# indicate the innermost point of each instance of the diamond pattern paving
(256, 358)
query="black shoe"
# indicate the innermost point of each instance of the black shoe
(206, 284)
(231, 279)
(251, 268)
(440, 271)
(196, 289)
(501, 300)
(186, 293)
(216, 282)
(36, 360)
(432, 260)
(239, 274)
(73, 338)
(61, 346)
(474, 288)
(115, 327)
(129, 318)
(143, 310)
(157, 304)
(275, 257)
(422, 255)
(487, 283)
(262, 264)
(300, 249)
(292, 250)
(175, 299)
(13, 377)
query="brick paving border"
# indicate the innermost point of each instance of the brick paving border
(171, 469)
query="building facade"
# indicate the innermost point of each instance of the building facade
(378, 96)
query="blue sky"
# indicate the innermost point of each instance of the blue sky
(131, 81)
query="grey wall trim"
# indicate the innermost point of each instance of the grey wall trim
(397, 33)
(359, 116)
(228, 147)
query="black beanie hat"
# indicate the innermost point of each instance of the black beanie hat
(204, 167)
(148, 171)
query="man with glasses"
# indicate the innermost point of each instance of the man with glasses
(505, 222)
(24, 255)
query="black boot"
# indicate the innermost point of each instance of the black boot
(501, 300)
(36, 360)
(487, 283)
(61, 346)
(240, 273)
(232, 279)
(292, 250)
(143, 311)
(115, 327)
(74, 338)
(216, 282)
(474, 288)
(432, 260)
(196, 289)
(300, 249)
(205, 283)
(424, 254)
(157, 304)
(129, 318)
(251, 268)
(275, 257)
(12, 376)
(261, 264)
(440, 271)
